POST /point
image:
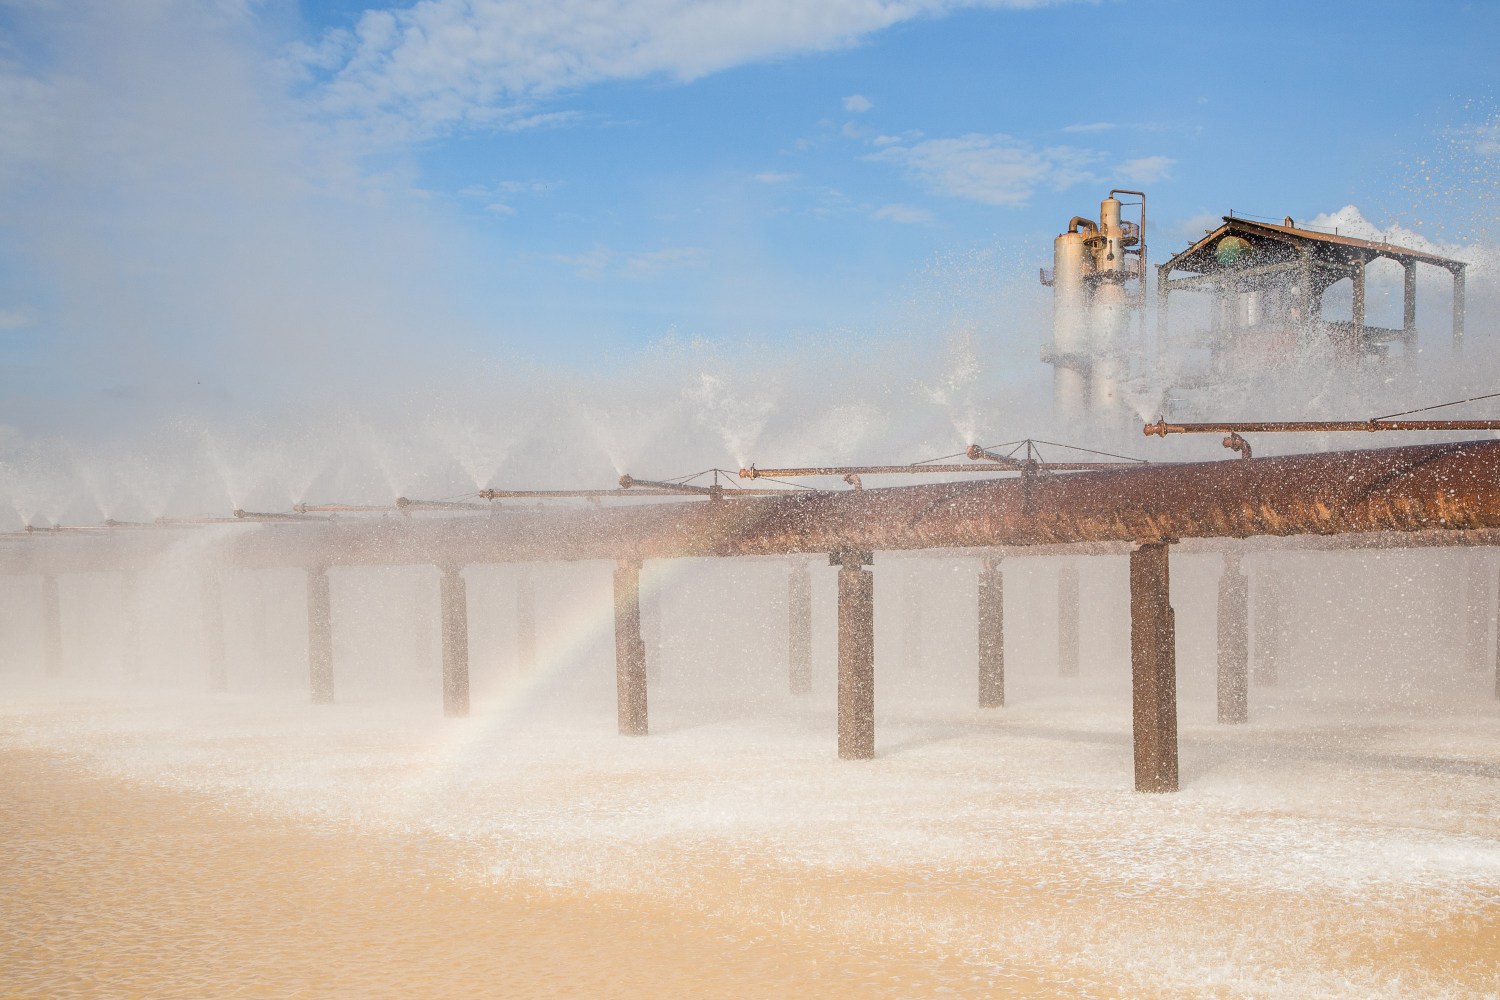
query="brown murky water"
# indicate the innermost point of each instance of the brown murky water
(116, 889)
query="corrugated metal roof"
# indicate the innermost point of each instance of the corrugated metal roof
(1346, 248)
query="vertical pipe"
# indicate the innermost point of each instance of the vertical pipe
(453, 609)
(1409, 298)
(1476, 610)
(1153, 662)
(130, 632)
(1234, 642)
(856, 658)
(1458, 309)
(991, 634)
(1067, 620)
(630, 653)
(1163, 300)
(52, 662)
(1357, 340)
(213, 630)
(1270, 626)
(799, 629)
(526, 621)
(320, 635)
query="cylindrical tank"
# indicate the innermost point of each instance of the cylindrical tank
(1071, 264)
(1109, 314)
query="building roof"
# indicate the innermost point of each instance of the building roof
(1271, 242)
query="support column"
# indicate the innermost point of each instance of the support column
(213, 630)
(1067, 620)
(1270, 626)
(1476, 610)
(453, 609)
(651, 634)
(856, 655)
(1234, 642)
(1458, 310)
(991, 634)
(799, 629)
(51, 627)
(320, 635)
(526, 621)
(1153, 666)
(1357, 340)
(630, 651)
(1409, 302)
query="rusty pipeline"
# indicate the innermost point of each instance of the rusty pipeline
(1161, 428)
(858, 470)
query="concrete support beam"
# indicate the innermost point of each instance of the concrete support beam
(1476, 611)
(799, 629)
(1153, 663)
(52, 663)
(991, 634)
(856, 655)
(1458, 310)
(1270, 627)
(453, 606)
(1067, 620)
(1358, 311)
(630, 651)
(1409, 297)
(320, 635)
(526, 621)
(213, 630)
(1234, 643)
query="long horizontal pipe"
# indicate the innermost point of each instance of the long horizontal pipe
(863, 470)
(1429, 490)
(1161, 428)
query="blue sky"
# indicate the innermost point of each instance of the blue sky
(219, 203)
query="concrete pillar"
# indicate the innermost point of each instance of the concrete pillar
(213, 630)
(1067, 620)
(130, 630)
(1153, 668)
(856, 655)
(630, 651)
(320, 635)
(1409, 298)
(1234, 642)
(51, 627)
(1458, 310)
(1270, 626)
(1476, 610)
(991, 634)
(453, 609)
(1357, 339)
(799, 629)
(526, 621)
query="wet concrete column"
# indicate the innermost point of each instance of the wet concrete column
(213, 630)
(1409, 302)
(1067, 620)
(1458, 310)
(51, 627)
(1270, 626)
(453, 609)
(630, 651)
(799, 629)
(526, 621)
(1476, 610)
(991, 634)
(1153, 667)
(1234, 642)
(856, 655)
(320, 635)
(130, 630)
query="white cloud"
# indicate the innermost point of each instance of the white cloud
(1091, 127)
(439, 64)
(857, 103)
(903, 213)
(1146, 169)
(994, 169)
